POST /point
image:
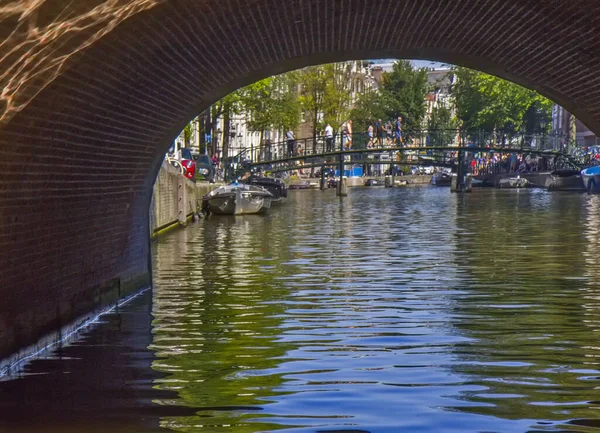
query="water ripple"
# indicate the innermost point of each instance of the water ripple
(391, 310)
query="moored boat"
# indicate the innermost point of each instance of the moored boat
(565, 180)
(271, 184)
(237, 199)
(513, 182)
(441, 178)
(300, 185)
(304, 184)
(591, 179)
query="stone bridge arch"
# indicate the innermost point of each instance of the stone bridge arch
(94, 91)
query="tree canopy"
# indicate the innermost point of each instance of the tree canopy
(271, 103)
(487, 103)
(324, 94)
(403, 94)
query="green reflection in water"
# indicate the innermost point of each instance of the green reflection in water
(389, 310)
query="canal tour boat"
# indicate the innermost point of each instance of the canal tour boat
(591, 179)
(237, 199)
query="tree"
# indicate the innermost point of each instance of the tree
(258, 104)
(403, 94)
(271, 103)
(313, 83)
(326, 94)
(441, 127)
(226, 107)
(287, 112)
(187, 133)
(231, 106)
(487, 103)
(337, 97)
(367, 109)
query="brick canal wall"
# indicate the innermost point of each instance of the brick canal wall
(174, 199)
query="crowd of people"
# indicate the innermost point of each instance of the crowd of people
(486, 163)
(385, 134)
(378, 133)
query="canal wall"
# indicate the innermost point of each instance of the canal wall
(175, 198)
(24, 331)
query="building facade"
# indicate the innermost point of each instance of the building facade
(561, 126)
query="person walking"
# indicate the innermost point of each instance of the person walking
(329, 137)
(291, 142)
(370, 134)
(398, 132)
(388, 132)
(349, 143)
(380, 131)
(347, 134)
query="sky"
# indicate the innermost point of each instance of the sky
(416, 63)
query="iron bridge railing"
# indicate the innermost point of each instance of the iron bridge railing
(440, 147)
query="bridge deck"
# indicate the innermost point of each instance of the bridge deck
(430, 155)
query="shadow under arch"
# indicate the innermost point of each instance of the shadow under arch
(96, 132)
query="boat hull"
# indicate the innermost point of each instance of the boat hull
(276, 187)
(570, 183)
(441, 179)
(591, 179)
(513, 182)
(238, 200)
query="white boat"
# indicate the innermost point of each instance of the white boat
(591, 179)
(237, 199)
(513, 182)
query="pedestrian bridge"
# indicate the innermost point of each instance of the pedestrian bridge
(360, 149)
(93, 93)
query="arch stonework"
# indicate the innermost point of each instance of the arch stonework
(94, 91)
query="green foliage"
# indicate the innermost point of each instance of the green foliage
(272, 103)
(337, 98)
(488, 103)
(441, 118)
(366, 111)
(403, 94)
(313, 82)
(326, 94)
(441, 126)
(286, 100)
(257, 102)
(187, 133)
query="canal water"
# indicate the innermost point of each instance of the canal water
(410, 309)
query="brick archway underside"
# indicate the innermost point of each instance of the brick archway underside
(94, 91)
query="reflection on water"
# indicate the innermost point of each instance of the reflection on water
(391, 310)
